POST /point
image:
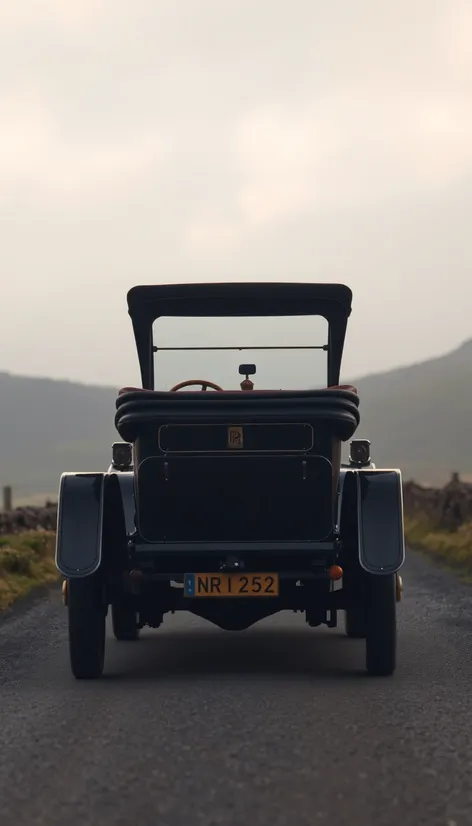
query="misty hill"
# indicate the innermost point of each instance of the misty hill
(47, 427)
(418, 418)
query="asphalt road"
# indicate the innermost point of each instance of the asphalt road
(275, 726)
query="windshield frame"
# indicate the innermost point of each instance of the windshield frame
(244, 299)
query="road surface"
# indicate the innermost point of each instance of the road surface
(276, 726)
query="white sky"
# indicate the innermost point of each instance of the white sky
(187, 140)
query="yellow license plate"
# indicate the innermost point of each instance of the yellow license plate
(231, 585)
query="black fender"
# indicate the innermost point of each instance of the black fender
(372, 500)
(91, 524)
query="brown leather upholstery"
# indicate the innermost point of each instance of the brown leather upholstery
(130, 390)
(348, 387)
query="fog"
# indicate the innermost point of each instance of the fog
(275, 369)
(222, 140)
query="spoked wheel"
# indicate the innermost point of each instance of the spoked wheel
(124, 621)
(87, 616)
(381, 624)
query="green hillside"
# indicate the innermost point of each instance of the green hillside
(47, 427)
(418, 418)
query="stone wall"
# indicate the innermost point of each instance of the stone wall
(24, 519)
(446, 508)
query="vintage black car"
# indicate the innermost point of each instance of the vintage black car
(233, 504)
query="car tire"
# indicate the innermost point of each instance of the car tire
(354, 614)
(124, 623)
(87, 620)
(354, 623)
(381, 624)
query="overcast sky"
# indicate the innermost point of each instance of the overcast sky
(187, 140)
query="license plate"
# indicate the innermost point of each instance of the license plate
(231, 585)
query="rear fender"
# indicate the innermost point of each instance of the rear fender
(380, 520)
(126, 481)
(371, 518)
(91, 525)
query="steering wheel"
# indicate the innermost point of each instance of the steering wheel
(191, 382)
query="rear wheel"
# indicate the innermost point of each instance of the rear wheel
(87, 615)
(354, 615)
(381, 624)
(354, 622)
(124, 621)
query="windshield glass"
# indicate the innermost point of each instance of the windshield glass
(276, 369)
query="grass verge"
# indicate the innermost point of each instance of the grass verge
(26, 562)
(452, 549)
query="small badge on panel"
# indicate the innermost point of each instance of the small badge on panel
(235, 438)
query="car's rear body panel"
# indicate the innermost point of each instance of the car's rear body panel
(235, 498)
(243, 468)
